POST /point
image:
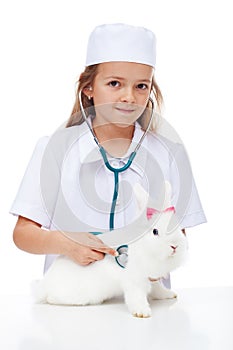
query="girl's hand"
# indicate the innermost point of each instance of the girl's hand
(85, 248)
(82, 247)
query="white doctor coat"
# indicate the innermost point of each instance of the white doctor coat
(67, 186)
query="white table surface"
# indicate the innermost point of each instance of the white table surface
(199, 319)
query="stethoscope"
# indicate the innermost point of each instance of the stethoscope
(122, 258)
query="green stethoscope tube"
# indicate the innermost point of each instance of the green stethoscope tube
(116, 171)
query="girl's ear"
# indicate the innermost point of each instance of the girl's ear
(88, 92)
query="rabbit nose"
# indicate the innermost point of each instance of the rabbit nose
(174, 247)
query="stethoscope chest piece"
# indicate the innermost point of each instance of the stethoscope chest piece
(122, 258)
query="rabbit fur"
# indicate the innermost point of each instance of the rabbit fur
(152, 256)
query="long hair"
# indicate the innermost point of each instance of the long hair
(86, 80)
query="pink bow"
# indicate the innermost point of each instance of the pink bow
(151, 211)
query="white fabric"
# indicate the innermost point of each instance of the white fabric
(121, 42)
(74, 193)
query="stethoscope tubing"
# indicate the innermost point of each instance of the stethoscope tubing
(103, 152)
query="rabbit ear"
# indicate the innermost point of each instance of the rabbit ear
(167, 195)
(145, 203)
(141, 197)
(164, 209)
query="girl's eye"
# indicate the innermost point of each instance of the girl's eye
(142, 86)
(155, 232)
(114, 83)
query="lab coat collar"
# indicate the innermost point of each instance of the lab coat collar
(89, 151)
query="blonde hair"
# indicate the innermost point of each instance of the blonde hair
(86, 80)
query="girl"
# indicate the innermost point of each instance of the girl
(71, 188)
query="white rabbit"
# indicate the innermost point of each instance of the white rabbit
(153, 255)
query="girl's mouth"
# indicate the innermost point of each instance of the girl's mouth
(124, 110)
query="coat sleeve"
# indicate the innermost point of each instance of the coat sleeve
(185, 197)
(28, 202)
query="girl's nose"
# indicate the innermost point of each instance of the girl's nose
(127, 96)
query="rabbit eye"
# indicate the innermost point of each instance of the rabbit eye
(155, 232)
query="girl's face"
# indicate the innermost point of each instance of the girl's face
(120, 92)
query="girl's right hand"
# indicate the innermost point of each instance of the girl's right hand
(82, 247)
(85, 248)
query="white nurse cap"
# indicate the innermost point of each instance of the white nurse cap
(121, 42)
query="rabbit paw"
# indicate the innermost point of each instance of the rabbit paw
(166, 294)
(158, 291)
(142, 312)
(137, 303)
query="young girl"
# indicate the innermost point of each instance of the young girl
(79, 181)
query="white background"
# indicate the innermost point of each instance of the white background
(42, 54)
